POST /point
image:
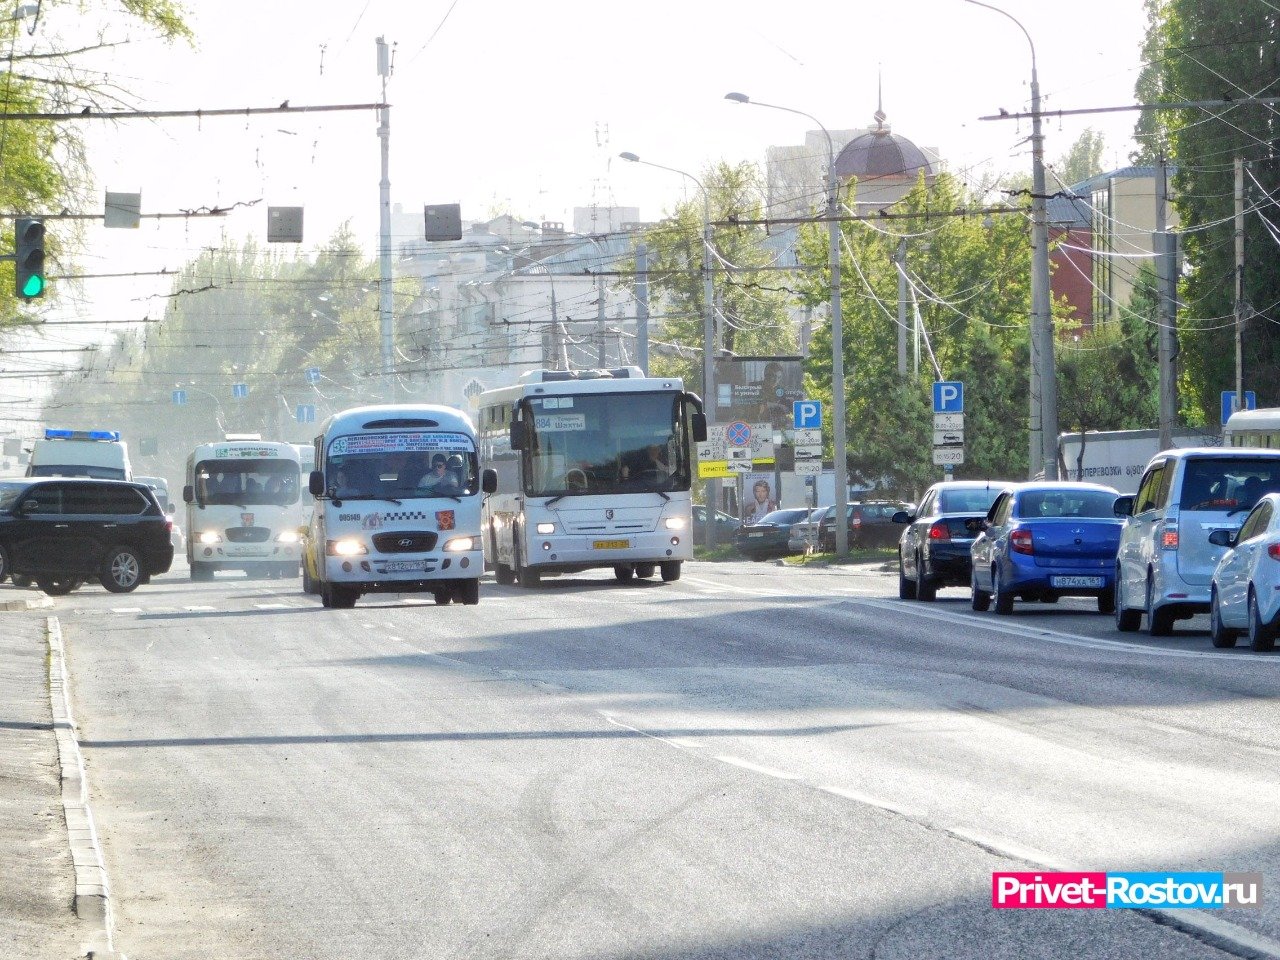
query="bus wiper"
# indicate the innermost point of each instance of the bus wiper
(374, 496)
(555, 499)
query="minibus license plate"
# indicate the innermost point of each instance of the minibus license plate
(402, 566)
(611, 544)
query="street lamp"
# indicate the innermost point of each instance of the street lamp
(217, 404)
(1044, 383)
(708, 329)
(837, 326)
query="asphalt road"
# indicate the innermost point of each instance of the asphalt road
(752, 762)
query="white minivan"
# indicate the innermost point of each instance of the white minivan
(398, 495)
(80, 453)
(1165, 563)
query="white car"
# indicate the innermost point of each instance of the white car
(1244, 596)
(803, 537)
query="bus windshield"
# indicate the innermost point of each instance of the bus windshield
(245, 483)
(607, 443)
(399, 466)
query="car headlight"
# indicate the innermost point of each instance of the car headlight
(674, 523)
(210, 536)
(345, 548)
(287, 536)
(545, 528)
(459, 544)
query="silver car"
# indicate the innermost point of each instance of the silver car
(1245, 595)
(803, 537)
(1166, 560)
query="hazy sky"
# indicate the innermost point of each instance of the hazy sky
(524, 107)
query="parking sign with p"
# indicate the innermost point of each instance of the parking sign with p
(948, 396)
(807, 414)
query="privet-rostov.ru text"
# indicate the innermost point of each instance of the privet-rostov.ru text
(1129, 890)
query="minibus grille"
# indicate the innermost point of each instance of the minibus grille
(405, 541)
(248, 534)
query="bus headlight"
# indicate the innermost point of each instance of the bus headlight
(287, 536)
(210, 536)
(674, 523)
(545, 528)
(460, 544)
(345, 548)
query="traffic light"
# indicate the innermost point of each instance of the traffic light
(28, 266)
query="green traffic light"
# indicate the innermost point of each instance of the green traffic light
(34, 286)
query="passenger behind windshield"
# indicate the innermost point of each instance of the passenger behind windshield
(247, 483)
(400, 476)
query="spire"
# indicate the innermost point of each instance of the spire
(880, 116)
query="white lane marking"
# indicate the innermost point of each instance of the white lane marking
(200, 608)
(1030, 632)
(272, 606)
(757, 768)
(870, 801)
(415, 602)
(126, 609)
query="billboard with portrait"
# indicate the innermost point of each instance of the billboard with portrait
(758, 497)
(758, 389)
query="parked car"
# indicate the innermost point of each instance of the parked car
(61, 532)
(933, 550)
(1042, 541)
(768, 538)
(1244, 595)
(1166, 561)
(160, 487)
(870, 524)
(725, 526)
(804, 535)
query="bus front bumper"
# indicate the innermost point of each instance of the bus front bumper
(570, 553)
(377, 572)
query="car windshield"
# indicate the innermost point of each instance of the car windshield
(1039, 504)
(974, 500)
(1228, 484)
(401, 466)
(246, 482)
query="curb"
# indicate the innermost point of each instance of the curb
(35, 603)
(92, 891)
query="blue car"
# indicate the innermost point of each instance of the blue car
(1042, 541)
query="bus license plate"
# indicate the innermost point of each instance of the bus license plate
(611, 544)
(403, 566)
(1082, 582)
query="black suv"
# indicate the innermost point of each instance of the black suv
(61, 532)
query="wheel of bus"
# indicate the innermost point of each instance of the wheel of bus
(337, 597)
(623, 571)
(444, 596)
(308, 584)
(670, 570)
(201, 571)
(646, 570)
(467, 592)
(526, 577)
(504, 574)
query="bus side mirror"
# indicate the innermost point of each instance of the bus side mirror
(518, 434)
(699, 428)
(188, 494)
(315, 483)
(489, 480)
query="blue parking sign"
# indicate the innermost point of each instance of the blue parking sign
(807, 414)
(1229, 399)
(306, 413)
(239, 390)
(179, 397)
(948, 396)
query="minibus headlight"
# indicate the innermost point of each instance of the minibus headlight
(210, 536)
(287, 536)
(674, 523)
(460, 544)
(346, 548)
(545, 528)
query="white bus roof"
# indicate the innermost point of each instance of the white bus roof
(1265, 419)
(398, 416)
(244, 449)
(559, 382)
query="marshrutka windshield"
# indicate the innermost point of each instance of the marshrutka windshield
(246, 482)
(399, 466)
(607, 443)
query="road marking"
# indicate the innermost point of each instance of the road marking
(200, 609)
(126, 609)
(757, 768)
(415, 601)
(272, 606)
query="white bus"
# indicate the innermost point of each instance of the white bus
(1253, 428)
(243, 508)
(398, 492)
(594, 470)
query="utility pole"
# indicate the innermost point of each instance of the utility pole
(601, 354)
(384, 235)
(1041, 310)
(1238, 403)
(642, 307)
(1164, 280)
(901, 260)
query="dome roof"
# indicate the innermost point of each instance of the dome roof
(881, 153)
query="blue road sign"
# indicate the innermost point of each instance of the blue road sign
(179, 397)
(948, 396)
(1228, 401)
(313, 374)
(738, 434)
(807, 414)
(306, 413)
(239, 390)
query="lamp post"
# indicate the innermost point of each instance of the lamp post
(709, 337)
(1044, 383)
(217, 404)
(837, 326)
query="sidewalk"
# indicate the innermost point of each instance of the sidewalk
(37, 883)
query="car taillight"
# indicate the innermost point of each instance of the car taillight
(1169, 538)
(1020, 541)
(1273, 551)
(168, 524)
(939, 531)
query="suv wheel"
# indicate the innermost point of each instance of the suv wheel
(1262, 636)
(121, 571)
(58, 586)
(1127, 621)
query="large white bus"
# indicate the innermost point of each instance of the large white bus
(594, 470)
(1253, 428)
(398, 492)
(243, 508)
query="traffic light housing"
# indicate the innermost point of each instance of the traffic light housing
(28, 257)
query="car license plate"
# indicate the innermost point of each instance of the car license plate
(403, 566)
(757, 534)
(1067, 582)
(611, 544)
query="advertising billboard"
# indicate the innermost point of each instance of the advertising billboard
(758, 389)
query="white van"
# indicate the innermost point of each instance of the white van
(243, 508)
(80, 453)
(398, 496)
